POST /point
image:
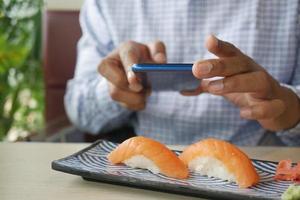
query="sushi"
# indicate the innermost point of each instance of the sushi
(285, 171)
(220, 159)
(142, 152)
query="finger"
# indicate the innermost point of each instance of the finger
(139, 106)
(267, 109)
(134, 82)
(254, 82)
(158, 51)
(221, 48)
(202, 88)
(222, 67)
(194, 92)
(133, 107)
(131, 53)
(127, 97)
(111, 69)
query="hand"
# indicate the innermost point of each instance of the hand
(124, 86)
(247, 85)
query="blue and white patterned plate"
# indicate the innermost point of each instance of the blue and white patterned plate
(91, 163)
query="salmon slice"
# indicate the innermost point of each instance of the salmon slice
(220, 159)
(286, 172)
(142, 152)
(297, 173)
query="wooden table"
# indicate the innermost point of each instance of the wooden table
(25, 173)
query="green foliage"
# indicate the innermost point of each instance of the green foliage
(21, 83)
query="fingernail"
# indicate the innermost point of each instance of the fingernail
(135, 87)
(160, 57)
(211, 42)
(246, 112)
(204, 68)
(216, 86)
(130, 74)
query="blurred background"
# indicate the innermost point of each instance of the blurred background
(37, 56)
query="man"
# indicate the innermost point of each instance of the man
(259, 92)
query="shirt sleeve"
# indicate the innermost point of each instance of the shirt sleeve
(87, 99)
(291, 137)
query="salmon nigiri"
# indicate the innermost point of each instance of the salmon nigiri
(220, 159)
(285, 171)
(142, 152)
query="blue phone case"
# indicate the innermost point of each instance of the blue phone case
(166, 77)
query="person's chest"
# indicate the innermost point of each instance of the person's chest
(264, 30)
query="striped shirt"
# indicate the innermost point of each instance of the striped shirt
(267, 31)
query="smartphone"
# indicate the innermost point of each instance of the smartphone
(166, 77)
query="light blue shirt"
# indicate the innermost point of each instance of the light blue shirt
(268, 31)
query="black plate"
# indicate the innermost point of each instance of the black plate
(91, 163)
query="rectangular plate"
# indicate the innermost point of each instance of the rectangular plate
(91, 163)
